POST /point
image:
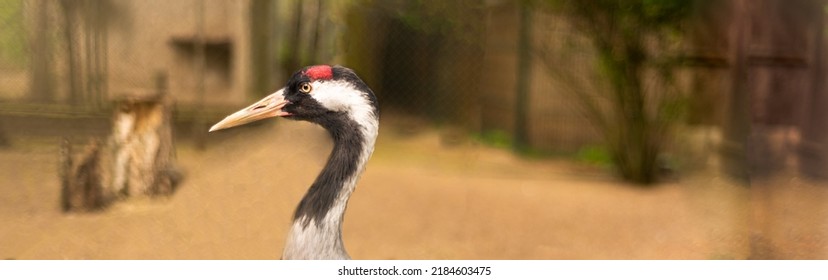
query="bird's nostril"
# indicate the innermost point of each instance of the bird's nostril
(259, 107)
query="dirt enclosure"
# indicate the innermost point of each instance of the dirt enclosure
(419, 199)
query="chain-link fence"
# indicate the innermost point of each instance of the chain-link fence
(457, 64)
(453, 63)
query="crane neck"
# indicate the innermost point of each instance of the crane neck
(316, 232)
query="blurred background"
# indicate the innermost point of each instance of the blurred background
(537, 129)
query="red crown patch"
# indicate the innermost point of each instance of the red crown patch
(319, 72)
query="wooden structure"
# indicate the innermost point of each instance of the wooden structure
(766, 60)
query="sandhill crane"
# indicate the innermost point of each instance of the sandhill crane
(335, 98)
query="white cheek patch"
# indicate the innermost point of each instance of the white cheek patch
(333, 95)
(342, 97)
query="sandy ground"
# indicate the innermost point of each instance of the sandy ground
(418, 199)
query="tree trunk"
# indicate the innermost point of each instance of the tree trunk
(138, 159)
(736, 128)
(260, 45)
(524, 74)
(69, 9)
(42, 82)
(633, 138)
(813, 150)
(292, 61)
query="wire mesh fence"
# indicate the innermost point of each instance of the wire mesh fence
(451, 63)
(457, 64)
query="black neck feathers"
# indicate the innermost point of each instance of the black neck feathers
(340, 169)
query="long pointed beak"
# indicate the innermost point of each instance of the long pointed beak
(268, 107)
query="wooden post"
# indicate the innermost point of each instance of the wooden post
(4, 140)
(142, 147)
(199, 125)
(81, 183)
(737, 114)
(261, 50)
(524, 73)
(812, 150)
(70, 33)
(137, 122)
(41, 84)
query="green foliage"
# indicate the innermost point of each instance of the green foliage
(649, 14)
(503, 140)
(496, 138)
(594, 155)
(13, 51)
(634, 41)
(456, 19)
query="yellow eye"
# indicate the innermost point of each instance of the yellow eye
(305, 88)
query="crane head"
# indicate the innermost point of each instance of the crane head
(322, 94)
